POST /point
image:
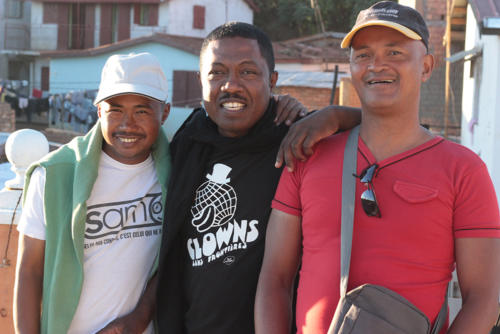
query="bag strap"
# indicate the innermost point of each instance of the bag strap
(441, 318)
(347, 221)
(348, 200)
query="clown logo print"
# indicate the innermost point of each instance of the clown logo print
(217, 233)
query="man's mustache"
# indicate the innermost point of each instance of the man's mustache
(228, 96)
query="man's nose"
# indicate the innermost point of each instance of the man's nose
(128, 120)
(232, 83)
(377, 63)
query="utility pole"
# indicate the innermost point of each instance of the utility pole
(317, 15)
(319, 22)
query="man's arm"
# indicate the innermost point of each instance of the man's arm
(304, 134)
(478, 271)
(28, 285)
(138, 320)
(273, 304)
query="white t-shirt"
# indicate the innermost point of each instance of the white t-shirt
(122, 238)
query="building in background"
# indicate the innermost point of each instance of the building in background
(481, 78)
(28, 28)
(16, 56)
(80, 70)
(306, 68)
(315, 53)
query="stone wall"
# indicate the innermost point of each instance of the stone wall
(7, 118)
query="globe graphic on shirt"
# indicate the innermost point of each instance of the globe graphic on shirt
(215, 201)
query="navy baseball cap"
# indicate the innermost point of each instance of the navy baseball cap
(390, 14)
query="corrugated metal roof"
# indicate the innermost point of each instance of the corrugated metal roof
(308, 79)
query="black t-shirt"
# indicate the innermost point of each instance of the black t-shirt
(224, 241)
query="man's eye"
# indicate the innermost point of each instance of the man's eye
(361, 55)
(394, 52)
(247, 72)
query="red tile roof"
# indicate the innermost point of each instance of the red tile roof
(305, 50)
(188, 44)
(311, 49)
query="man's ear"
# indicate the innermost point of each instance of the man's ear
(99, 110)
(273, 80)
(165, 113)
(428, 67)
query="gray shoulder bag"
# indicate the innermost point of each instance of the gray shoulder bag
(371, 308)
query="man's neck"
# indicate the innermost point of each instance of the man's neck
(387, 136)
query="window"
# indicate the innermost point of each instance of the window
(79, 25)
(115, 23)
(146, 14)
(14, 9)
(199, 17)
(186, 89)
(45, 78)
(50, 11)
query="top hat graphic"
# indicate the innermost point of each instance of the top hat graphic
(219, 174)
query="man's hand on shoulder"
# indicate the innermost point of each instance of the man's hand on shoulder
(123, 325)
(305, 133)
(138, 320)
(288, 109)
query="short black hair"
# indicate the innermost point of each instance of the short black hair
(244, 30)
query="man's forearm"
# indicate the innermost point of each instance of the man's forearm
(478, 315)
(27, 303)
(28, 285)
(273, 308)
(147, 304)
(347, 117)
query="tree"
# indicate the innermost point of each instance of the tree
(285, 19)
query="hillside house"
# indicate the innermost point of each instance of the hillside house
(54, 25)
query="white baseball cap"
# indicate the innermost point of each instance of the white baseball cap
(132, 74)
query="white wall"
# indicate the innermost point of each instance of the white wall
(139, 31)
(43, 36)
(481, 99)
(217, 12)
(174, 17)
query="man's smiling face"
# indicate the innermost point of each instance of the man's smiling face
(130, 124)
(236, 84)
(387, 68)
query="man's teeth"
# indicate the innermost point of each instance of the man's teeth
(128, 140)
(380, 81)
(233, 105)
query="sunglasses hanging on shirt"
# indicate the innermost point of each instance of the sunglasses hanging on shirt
(368, 198)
